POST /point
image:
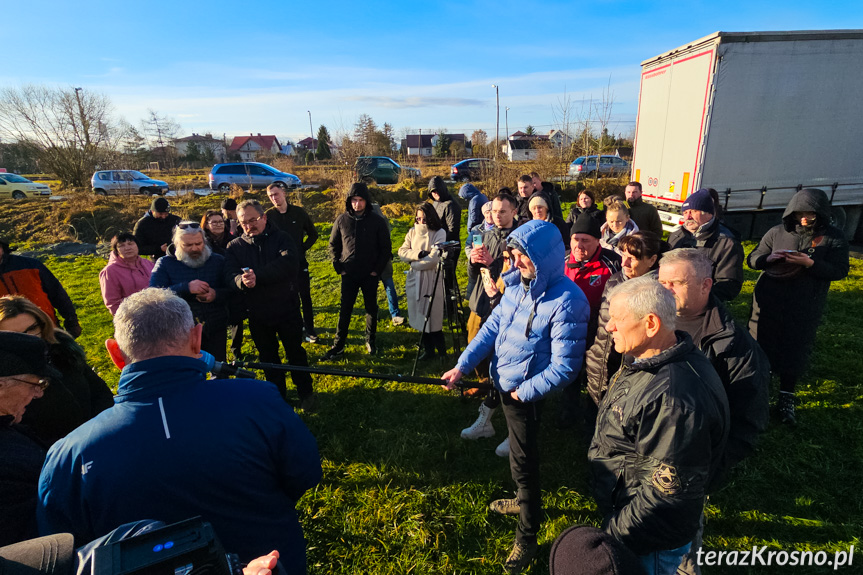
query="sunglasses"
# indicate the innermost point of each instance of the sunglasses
(41, 384)
(189, 226)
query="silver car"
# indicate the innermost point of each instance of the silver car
(586, 167)
(249, 175)
(114, 182)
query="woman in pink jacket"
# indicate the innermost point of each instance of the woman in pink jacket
(126, 272)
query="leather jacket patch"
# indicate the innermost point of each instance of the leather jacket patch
(666, 480)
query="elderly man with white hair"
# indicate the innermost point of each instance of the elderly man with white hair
(176, 445)
(661, 429)
(192, 271)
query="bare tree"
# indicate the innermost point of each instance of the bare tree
(72, 129)
(562, 112)
(161, 131)
(604, 110)
(479, 143)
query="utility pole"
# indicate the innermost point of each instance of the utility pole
(315, 151)
(506, 114)
(497, 120)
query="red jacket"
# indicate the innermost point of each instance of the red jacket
(591, 276)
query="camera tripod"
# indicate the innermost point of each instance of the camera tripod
(452, 308)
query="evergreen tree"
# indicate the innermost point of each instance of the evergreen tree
(441, 147)
(323, 151)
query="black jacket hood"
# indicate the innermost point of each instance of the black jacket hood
(807, 200)
(437, 184)
(363, 193)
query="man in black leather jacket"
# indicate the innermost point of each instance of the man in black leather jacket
(661, 430)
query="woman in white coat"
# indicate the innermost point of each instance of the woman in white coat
(418, 250)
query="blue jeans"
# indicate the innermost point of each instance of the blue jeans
(664, 562)
(392, 296)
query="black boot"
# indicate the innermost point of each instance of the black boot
(428, 348)
(438, 342)
(786, 408)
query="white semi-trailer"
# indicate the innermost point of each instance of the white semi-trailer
(757, 116)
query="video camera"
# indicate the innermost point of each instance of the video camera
(449, 250)
(189, 547)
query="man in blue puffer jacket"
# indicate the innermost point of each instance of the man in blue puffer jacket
(537, 334)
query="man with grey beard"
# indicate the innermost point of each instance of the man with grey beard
(192, 271)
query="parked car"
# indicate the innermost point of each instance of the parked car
(585, 166)
(18, 187)
(249, 175)
(113, 182)
(381, 170)
(470, 169)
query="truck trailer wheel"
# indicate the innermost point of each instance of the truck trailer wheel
(838, 217)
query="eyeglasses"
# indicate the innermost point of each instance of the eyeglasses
(189, 226)
(420, 220)
(217, 223)
(248, 223)
(41, 384)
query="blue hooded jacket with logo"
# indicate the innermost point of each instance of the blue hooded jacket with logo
(537, 334)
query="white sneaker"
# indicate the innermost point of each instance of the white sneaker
(482, 427)
(502, 450)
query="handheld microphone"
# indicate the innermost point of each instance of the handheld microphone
(221, 369)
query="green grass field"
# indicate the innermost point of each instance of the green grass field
(402, 493)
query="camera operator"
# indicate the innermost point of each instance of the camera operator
(176, 445)
(536, 339)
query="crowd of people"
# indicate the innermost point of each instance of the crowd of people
(677, 393)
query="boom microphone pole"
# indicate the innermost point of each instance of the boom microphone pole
(342, 373)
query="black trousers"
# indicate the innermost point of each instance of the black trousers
(450, 282)
(236, 316)
(304, 285)
(214, 340)
(236, 329)
(522, 420)
(266, 338)
(351, 286)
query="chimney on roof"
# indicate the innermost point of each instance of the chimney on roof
(259, 134)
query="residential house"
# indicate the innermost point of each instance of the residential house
(307, 145)
(559, 139)
(203, 142)
(524, 149)
(311, 145)
(250, 147)
(423, 145)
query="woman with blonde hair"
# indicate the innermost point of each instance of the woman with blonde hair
(67, 403)
(617, 224)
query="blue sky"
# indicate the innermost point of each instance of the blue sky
(258, 66)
